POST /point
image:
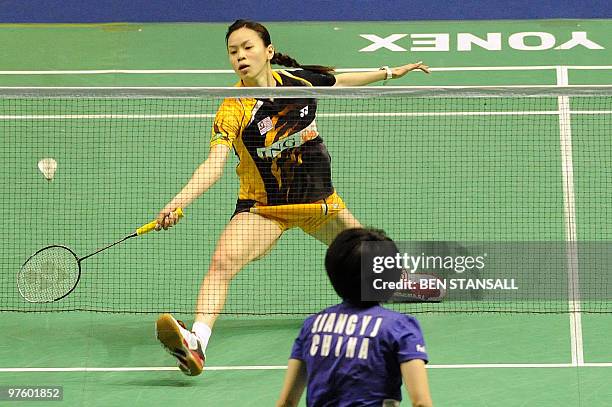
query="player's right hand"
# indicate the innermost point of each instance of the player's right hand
(166, 218)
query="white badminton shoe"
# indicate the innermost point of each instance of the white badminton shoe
(181, 343)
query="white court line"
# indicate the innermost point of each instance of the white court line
(591, 112)
(283, 367)
(569, 209)
(229, 71)
(372, 114)
(105, 116)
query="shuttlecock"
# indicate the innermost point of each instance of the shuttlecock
(47, 166)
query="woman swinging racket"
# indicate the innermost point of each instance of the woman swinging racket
(279, 180)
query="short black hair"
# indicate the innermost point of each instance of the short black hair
(343, 262)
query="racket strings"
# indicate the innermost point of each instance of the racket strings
(48, 275)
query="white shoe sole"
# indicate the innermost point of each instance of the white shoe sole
(169, 334)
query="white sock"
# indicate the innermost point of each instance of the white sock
(203, 333)
(189, 336)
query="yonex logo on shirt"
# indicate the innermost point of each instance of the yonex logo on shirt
(421, 348)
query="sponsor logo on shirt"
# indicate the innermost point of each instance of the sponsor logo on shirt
(292, 141)
(420, 348)
(265, 125)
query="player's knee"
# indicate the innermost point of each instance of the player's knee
(224, 267)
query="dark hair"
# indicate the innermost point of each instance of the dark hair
(343, 263)
(278, 58)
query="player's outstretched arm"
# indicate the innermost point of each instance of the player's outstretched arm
(202, 179)
(293, 387)
(415, 379)
(365, 78)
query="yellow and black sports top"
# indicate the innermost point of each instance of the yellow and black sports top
(282, 156)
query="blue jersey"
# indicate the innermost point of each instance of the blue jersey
(353, 355)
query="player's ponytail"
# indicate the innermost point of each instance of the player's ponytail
(278, 58)
(286, 60)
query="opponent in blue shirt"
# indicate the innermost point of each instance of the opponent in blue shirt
(356, 353)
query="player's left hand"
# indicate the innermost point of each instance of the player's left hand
(400, 71)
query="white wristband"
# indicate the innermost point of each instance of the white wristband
(389, 72)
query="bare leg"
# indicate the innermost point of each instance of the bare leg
(246, 238)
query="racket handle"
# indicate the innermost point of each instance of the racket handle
(151, 225)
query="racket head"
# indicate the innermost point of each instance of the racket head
(49, 275)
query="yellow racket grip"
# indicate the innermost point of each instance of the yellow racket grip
(151, 225)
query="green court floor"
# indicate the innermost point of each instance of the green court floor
(246, 359)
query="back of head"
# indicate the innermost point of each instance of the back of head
(343, 262)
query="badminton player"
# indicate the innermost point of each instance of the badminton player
(283, 161)
(356, 353)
